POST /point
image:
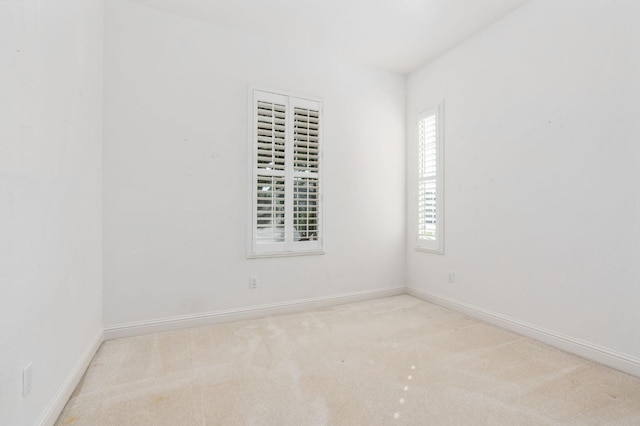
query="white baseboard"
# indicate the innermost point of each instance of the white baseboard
(591, 351)
(50, 415)
(208, 318)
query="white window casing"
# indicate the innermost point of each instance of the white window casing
(430, 186)
(286, 160)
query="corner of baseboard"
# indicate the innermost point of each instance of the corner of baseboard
(57, 404)
(590, 351)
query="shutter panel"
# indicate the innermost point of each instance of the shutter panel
(271, 136)
(428, 208)
(306, 140)
(305, 209)
(427, 147)
(306, 163)
(270, 209)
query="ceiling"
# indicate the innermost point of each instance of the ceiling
(398, 35)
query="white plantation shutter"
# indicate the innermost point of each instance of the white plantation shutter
(430, 203)
(286, 214)
(306, 159)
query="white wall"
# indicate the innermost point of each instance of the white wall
(542, 202)
(50, 199)
(176, 169)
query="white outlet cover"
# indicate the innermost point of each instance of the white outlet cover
(27, 380)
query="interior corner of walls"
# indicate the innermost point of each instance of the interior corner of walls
(60, 399)
(591, 351)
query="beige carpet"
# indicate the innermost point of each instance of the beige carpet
(392, 361)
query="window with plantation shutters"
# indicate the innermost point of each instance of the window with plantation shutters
(430, 200)
(286, 182)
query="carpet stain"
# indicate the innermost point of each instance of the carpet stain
(70, 420)
(159, 399)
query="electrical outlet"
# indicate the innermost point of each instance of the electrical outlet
(451, 277)
(26, 380)
(253, 282)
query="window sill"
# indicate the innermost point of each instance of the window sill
(286, 254)
(428, 250)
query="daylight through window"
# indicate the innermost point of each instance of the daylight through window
(286, 147)
(430, 203)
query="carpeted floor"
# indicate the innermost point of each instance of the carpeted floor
(392, 361)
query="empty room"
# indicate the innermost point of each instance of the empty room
(279, 212)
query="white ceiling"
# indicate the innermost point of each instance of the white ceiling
(398, 35)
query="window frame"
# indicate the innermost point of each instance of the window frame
(289, 247)
(435, 245)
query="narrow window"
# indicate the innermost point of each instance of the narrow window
(286, 190)
(430, 197)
